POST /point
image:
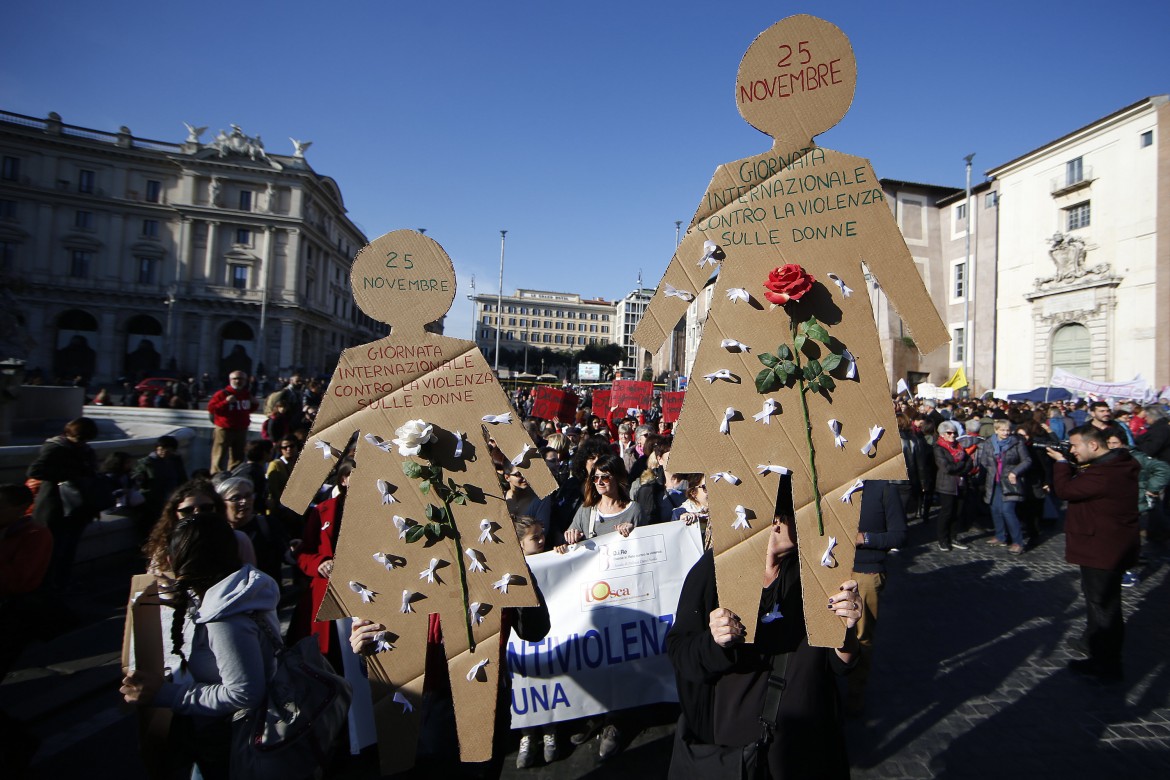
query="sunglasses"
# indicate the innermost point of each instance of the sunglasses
(241, 499)
(602, 478)
(195, 509)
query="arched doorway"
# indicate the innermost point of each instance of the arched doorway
(143, 340)
(1071, 348)
(237, 344)
(74, 355)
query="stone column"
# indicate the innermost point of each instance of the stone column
(288, 336)
(183, 252)
(110, 348)
(208, 346)
(209, 258)
(292, 256)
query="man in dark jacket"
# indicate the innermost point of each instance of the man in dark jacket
(1101, 536)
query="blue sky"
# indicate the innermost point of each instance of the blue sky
(584, 129)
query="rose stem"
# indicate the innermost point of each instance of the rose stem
(462, 570)
(812, 461)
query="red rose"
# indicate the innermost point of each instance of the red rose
(789, 283)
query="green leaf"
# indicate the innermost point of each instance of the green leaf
(425, 486)
(782, 376)
(411, 469)
(799, 341)
(814, 386)
(820, 334)
(434, 531)
(459, 498)
(788, 366)
(766, 381)
(451, 484)
(784, 352)
(815, 366)
(831, 361)
(433, 512)
(415, 533)
(768, 359)
(827, 382)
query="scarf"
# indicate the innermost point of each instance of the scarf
(953, 449)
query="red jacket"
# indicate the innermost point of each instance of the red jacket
(1101, 526)
(317, 543)
(231, 409)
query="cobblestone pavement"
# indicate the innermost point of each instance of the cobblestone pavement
(968, 680)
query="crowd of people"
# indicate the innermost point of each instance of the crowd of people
(226, 554)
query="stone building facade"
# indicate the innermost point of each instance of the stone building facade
(129, 257)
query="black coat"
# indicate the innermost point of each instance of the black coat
(61, 460)
(1155, 442)
(949, 472)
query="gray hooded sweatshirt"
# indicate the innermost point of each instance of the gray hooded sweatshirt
(229, 656)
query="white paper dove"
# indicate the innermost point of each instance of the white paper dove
(429, 572)
(768, 468)
(503, 582)
(326, 450)
(773, 615)
(722, 373)
(727, 475)
(473, 610)
(737, 294)
(838, 439)
(389, 561)
(378, 442)
(384, 489)
(741, 521)
(485, 532)
(406, 597)
(366, 594)
(765, 414)
(399, 698)
(519, 459)
(382, 643)
(725, 426)
(851, 372)
(847, 498)
(459, 444)
(845, 291)
(875, 433)
(498, 419)
(731, 345)
(827, 559)
(403, 525)
(471, 675)
(709, 250)
(476, 560)
(671, 292)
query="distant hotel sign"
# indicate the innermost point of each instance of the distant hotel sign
(588, 372)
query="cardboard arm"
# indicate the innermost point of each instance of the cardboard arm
(682, 273)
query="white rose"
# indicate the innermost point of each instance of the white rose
(412, 436)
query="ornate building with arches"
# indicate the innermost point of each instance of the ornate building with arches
(128, 257)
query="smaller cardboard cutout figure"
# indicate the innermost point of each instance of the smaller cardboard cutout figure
(414, 543)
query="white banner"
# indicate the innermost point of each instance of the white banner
(1135, 388)
(612, 600)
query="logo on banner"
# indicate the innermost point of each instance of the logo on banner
(614, 591)
(633, 551)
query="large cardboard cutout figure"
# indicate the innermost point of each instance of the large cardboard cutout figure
(421, 402)
(787, 381)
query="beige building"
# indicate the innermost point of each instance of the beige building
(627, 314)
(129, 256)
(536, 319)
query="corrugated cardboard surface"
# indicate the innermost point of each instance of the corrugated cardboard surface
(823, 210)
(374, 390)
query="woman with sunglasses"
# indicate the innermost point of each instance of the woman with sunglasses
(268, 538)
(607, 507)
(952, 464)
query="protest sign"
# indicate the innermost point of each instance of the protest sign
(627, 394)
(551, 403)
(601, 405)
(611, 600)
(1134, 388)
(671, 406)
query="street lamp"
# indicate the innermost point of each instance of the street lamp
(500, 303)
(172, 298)
(969, 283)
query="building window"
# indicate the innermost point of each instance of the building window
(147, 270)
(512, 310)
(150, 228)
(79, 263)
(483, 334)
(1147, 138)
(1078, 215)
(547, 338)
(990, 200)
(244, 236)
(958, 345)
(605, 329)
(153, 191)
(959, 280)
(239, 276)
(559, 339)
(570, 326)
(560, 326)
(245, 200)
(511, 320)
(960, 213)
(85, 181)
(487, 320)
(592, 328)
(1074, 171)
(580, 339)
(10, 169)
(605, 318)
(83, 220)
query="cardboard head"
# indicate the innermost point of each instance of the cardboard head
(797, 79)
(403, 279)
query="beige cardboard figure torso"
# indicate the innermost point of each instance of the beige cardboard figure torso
(824, 211)
(405, 278)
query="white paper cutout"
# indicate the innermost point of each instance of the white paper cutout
(406, 596)
(722, 373)
(903, 387)
(473, 610)
(765, 414)
(741, 521)
(503, 582)
(682, 295)
(709, 250)
(519, 459)
(737, 294)
(366, 594)
(325, 525)
(725, 426)
(768, 468)
(400, 699)
(875, 433)
(403, 525)
(382, 642)
(429, 572)
(827, 559)
(471, 675)
(326, 450)
(732, 345)
(845, 290)
(389, 561)
(498, 419)
(851, 372)
(378, 442)
(384, 489)
(485, 532)
(847, 498)
(838, 439)
(459, 444)
(727, 475)
(477, 560)
(773, 615)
